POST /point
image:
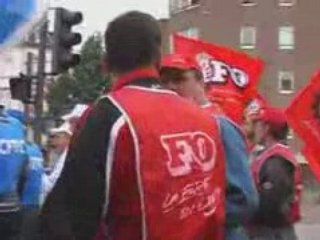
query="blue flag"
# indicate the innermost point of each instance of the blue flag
(17, 17)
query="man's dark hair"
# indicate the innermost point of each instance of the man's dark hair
(132, 40)
(175, 75)
(198, 74)
(172, 75)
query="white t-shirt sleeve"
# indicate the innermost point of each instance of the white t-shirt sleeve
(49, 181)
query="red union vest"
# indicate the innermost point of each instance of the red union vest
(285, 152)
(180, 165)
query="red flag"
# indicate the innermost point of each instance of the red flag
(304, 117)
(232, 76)
(312, 156)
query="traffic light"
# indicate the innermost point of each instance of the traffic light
(64, 40)
(20, 88)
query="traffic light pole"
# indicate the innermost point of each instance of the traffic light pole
(29, 75)
(41, 82)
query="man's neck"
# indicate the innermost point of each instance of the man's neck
(270, 142)
(202, 100)
(61, 149)
(117, 75)
(121, 79)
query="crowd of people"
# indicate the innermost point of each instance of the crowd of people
(28, 171)
(155, 158)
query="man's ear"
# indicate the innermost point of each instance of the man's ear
(172, 86)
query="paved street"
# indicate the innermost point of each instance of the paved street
(309, 228)
(308, 232)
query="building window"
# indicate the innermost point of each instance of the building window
(248, 3)
(248, 37)
(286, 38)
(286, 3)
(286, 82)
(181, 5)
(192, 32)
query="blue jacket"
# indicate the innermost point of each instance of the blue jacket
(12, 161)
(242, 197)
(33, 178)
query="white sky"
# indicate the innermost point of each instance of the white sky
(97, 13)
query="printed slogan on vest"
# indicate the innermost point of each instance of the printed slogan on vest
(191, 153)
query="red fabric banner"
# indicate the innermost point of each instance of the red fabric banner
(304, 117)
(312, 156)
(232, 76)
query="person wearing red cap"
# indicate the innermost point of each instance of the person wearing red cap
(182, 75)
(252, 109)
(278, 178)
(176, 75)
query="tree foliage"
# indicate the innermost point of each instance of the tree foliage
(84, 84)
(61, 94)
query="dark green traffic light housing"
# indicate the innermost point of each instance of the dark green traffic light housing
(20, 88)
(64, 39)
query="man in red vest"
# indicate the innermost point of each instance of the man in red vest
(278, 178)
(147, 164)
(182, 75)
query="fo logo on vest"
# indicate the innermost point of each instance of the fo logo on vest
(188, 152)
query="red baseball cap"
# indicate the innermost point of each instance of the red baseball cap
(179, 61)
(274, 116)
